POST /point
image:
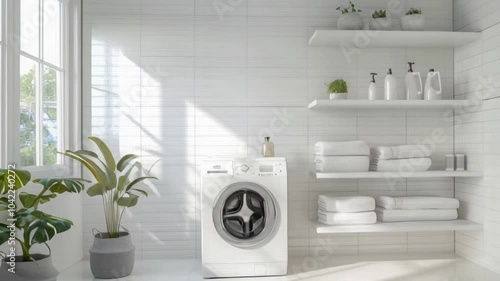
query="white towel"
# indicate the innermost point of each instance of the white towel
(401, 152)
(415, 215)
(342, 164)
(351, 148)
(402, 165)
(346, 204)
(417, 203)
(347, 218)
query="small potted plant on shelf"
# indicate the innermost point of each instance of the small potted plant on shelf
(380, 21)
(32, 225)
(350, 18)
(337, 90)
(112, 255)
(413, 20)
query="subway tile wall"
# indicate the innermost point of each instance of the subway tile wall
(478, 130)
(183, 80)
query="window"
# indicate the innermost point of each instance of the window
(40, 82)
(40, 90)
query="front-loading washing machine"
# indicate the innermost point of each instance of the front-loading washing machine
(244, 217)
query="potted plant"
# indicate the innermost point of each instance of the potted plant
(413, 20)
(380, 21)
(32, 225)
(112, 254)
(337, 90)
(350, 18)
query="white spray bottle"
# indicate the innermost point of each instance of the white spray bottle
(433, 87)
(372, 90)
(414, 89)
(391, 86)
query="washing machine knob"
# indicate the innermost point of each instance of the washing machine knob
(244, 168)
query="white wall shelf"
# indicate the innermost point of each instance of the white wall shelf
(391, 175)
(392, 39)
(454, 225)
(385, 104)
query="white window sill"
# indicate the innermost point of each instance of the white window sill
(49, 171)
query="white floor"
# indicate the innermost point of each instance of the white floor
(339, 269)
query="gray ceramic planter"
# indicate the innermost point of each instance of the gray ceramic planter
(112, 257)
(42, 269)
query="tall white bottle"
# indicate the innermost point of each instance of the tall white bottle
(372, 90)
(414, 89)
(433, 87)
(391, 86)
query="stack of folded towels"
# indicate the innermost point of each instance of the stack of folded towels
(409, 158)
(396, 209)
(346, 210)
(342, 157)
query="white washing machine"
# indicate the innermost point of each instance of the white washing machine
(244, 217)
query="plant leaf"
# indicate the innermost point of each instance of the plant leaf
(21, 178)
(125, 161)
(128, 202)
(4, 205)
(123, 179)
(42, 227)
(96, 190)
(136, 181)
(108, 156)
(4, 233)
(87, 152)
(28, 200)
(62, 185)
(140, 191)
(99, 174)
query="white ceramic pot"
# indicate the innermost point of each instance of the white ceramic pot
(338, 96)
(413, 22)
(41, 269)
(112, 257)
(380, 24)
(350, 21)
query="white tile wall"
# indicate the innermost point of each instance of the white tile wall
(182, 80)
(478, 130)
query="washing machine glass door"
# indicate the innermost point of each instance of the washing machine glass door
(246, 215)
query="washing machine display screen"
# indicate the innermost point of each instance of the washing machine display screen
(244, 214)
(266, 169)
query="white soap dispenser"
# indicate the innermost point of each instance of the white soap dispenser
(433, 87)
(391, 86)
(372, 90)
(414, 89)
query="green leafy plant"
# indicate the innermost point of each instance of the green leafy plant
(379, 14)
(114, 181)
(338, 86)
(351, 9)
(414, 11)
(35, 226)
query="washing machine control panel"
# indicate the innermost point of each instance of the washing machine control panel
(260, 168)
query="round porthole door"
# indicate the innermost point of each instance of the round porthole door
(246, 215)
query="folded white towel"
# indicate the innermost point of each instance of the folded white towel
(417, 203)
(402, 165)
(401, 152)
(346, 204)
(342, 164)
(347, 218)
(415, 215)
(351, 148)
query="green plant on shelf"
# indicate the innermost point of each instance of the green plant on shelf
(414, 11)
(350, 9)
(379, 14)
(338, 86)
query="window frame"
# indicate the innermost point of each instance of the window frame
(69, 107)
